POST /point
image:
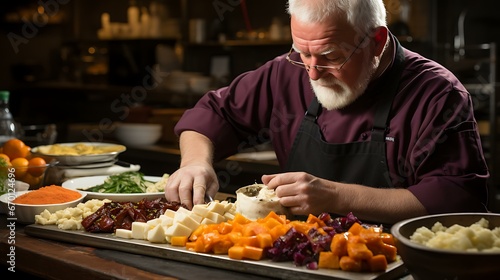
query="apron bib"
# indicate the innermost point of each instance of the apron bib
(363, 163)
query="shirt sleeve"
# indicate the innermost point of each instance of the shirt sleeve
(450, 170)
(227, 115)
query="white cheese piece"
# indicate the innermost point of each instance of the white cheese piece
(166, 221)
(177, 229)
(182, 210)
(207, 221)
(216, 217)
(157, 235)
(216, 207)
(169, 213)
(229, 216)
(139, 230)
(200, 210)
(153, 222)
(186, 220)
(123, 233)
(195, 217)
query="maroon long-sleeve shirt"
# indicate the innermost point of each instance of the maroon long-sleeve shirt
(433, 145)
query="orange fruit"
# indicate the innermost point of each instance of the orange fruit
(15, 148)
(33, 181)
(5, 158)
(20, 165)
(36, 166)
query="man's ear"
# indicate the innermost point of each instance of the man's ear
(380, 38)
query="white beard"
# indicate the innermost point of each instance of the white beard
(334, 94)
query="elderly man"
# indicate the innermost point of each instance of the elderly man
(358, 123)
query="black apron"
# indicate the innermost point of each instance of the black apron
(363, 163)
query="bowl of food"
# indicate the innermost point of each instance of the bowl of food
(25, 205)
(78, 153)
(138, 134)
(257, 201)
(21, 172)
(450, 246)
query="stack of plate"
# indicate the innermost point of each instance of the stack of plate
(83, 159)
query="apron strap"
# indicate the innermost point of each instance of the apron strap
(385, 103)
(313, 110)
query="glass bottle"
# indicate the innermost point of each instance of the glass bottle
(8, 127)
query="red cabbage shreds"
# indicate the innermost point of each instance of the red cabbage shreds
(339, 224)
(286, 245)
(319, 242)
(312, 265)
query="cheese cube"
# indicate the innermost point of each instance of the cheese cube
(186, 220)
(207, 221)
(196, 217)
(216, 217)
(153, 222)
(200, 210)
(169, 213)
(228, 216)
(157, 235)
(177, 230)
(182, 210)
(139, 230)
(216, 207)
(166, 221)
(123, 233)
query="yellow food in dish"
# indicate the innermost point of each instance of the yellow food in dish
(474, 238)
(79, 149)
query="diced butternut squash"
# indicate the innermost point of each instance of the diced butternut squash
(265, 240)
(349, 264)
(339, 244)
(222, 247)
(236, 252)
(377, 263)
(252, 253)
(355, 228)
(178, 241)
(225, 228)
(356, 248)
(328, 260)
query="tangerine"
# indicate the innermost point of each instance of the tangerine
(21, 166)
(5, 158)
(33, 181)
(36, 166)
(15, 148)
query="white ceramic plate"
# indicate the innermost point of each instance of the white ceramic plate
(82, 183)
(81, 159)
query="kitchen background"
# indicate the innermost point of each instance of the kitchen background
(79, 64)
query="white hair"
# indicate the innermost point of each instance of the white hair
(364, 15)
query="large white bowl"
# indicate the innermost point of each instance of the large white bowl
(138, 134)
(25, 213)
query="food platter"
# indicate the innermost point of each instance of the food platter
(83, 183)
(111, 151)
(281, 270)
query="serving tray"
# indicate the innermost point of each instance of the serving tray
(282, 270)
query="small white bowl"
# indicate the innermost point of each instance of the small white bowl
(25, 213)
(138, 134)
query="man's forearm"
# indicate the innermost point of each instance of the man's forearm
(195, 147)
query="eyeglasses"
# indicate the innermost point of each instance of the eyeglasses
(323, 67)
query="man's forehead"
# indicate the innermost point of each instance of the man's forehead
(321, 37)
